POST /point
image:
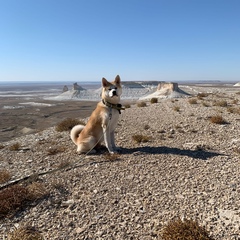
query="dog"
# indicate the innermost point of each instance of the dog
(102, 122)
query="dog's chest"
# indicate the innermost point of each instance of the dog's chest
(113, 116)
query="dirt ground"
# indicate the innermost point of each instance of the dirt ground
(16, 116)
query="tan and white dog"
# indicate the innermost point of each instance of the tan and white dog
(102, 122)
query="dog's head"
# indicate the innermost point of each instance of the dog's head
(111, 91)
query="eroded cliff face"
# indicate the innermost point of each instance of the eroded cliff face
(168, 85)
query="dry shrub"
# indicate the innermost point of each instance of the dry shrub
(221, 103)
(127, 106)
(154, 100)
(234, 110)
(141, 104)
(15, 197)
(68, 124)
(36, 191)
(15, 147)
(235, 101)
(192, 101)
(11, 199)
(55, 150)
(2, 146)
(140, 138)
(176, 108)
(202, 95)
(217, 119)
(25, 233)
(184, 230)
(4, 176)
(205, 104)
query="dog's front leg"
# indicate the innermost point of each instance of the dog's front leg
(112, 134)
(107, 139)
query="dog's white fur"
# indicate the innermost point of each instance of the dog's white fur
(102, 122)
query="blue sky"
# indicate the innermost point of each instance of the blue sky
(85, 40)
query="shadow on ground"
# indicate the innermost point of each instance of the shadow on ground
(197, 154)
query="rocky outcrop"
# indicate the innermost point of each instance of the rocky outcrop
(167, 90)
(65, 88)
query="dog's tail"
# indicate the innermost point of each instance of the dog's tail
(76, 130)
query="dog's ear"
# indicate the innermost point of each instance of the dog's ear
(117, 80)
(105, 82)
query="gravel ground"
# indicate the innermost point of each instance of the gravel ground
(189, 168)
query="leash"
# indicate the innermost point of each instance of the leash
(34, 176)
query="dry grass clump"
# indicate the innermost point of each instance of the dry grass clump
(4, 176)
(15, 197)
(127, 106)
(36, 191)
(141, 104)
(15, 147)
(55, 150)
(141, 138)
(192, 101)
(202, 95)
(184, 230)
(2, 146)
(205, 104)
(25, 233)
(176, 108)
(234, 110)
(217, 119)
(154, 100)
(221, 103)
(68, 124)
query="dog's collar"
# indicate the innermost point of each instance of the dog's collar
(115, 106)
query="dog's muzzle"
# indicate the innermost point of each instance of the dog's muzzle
(113, 93)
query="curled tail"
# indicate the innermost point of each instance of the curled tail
(76, 130)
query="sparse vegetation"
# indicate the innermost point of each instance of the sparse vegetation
(146, 127)
(141, 138)
(205, 104)
(15, 197)
(184, 230)
(68, 124)
(217, 119)
(192, 101)
(235, 110)
(154, 100)
(55, 150)
(127, 106)
(141, 104)
(202, 95)
(176, 108)
(15, 147)
(4, 176)
(25, 233)
(221, 103)
(2, 146)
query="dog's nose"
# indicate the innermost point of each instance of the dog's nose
(114, 92)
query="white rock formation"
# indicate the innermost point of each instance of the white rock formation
(167, 90)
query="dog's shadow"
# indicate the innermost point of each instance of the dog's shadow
(196, 154)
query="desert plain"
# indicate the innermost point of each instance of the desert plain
(175, 162)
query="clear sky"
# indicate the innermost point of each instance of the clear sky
(85, 40)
